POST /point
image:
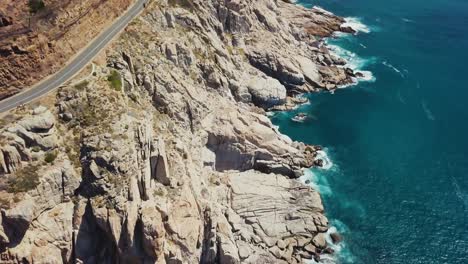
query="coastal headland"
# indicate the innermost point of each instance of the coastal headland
(164, 153)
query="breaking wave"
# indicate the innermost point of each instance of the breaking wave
(354, 62)
(356, 24)
(316, 178)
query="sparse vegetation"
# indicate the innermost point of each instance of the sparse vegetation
(36, 149)
(158, 192)
(187, 4)
(81, 85)
(230, 50)
(36, 6)
(50, 157)
(115, 80)
(73, 147)
(25, 179)
(241, 52)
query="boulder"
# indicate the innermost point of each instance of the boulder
(10, 159)
(318, 163)
(347, 29)
(39, 123)
(281, 244)
(310, 248)
(336, 238)
(17, 220)
(320, 241)
(266, 92)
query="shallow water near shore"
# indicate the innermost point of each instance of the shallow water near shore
(397, 183)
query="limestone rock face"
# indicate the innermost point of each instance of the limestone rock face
(181, 165)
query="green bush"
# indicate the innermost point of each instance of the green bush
(23, 180)
(50, 157)
(36, 149)
(115, 81)
(36, 6)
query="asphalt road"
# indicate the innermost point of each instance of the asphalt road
(72, 68)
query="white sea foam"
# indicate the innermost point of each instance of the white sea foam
(354, 62)
(323, 11)
(428, 112)
(395, 69)
(367, 76)
(317, 179)
(407, 20)
(341, 250)
(356, 24)
(327, 163)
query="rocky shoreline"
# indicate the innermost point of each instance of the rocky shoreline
(175, 161)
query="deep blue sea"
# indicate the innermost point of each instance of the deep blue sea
(397, 183)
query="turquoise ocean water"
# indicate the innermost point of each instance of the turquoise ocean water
(396, 185)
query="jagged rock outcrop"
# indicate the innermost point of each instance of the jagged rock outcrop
(277, 67)
(179, 163)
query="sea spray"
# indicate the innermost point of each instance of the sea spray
(356, 24)
(353, 61)
(317, 179)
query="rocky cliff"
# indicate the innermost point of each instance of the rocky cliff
(164, 153)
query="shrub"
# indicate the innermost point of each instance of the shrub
(115, 80)
(23, 180)
(50, 157)
(36, 6)
(158, 192)
(36, 149)
(187, 4)
(82, 85)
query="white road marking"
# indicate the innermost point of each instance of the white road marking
(75, 65)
